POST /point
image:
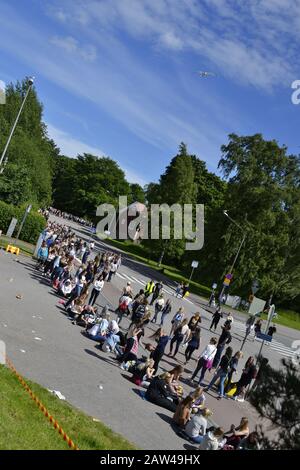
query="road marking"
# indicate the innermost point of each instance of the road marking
(127, 277)
(120, 275)
(37, 338)
(142, 283)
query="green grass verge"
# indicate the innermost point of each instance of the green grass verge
(26, 248)
(23, 425)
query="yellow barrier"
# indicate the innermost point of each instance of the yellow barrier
(13, 249)
(43, 409)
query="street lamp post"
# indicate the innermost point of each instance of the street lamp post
(238, 252)
(30, 83)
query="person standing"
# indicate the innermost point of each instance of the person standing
(216, 318)
(162, 341)
(178, 291)
(272, 329)
(205, 360)
(149, 288)
(249, 373)
(221, 373)
(113, 270)
(159, 305)
(257, 327)
(194, 321)
(177, 319)
(97, 288)
(224, 339)
(233, 369)
(185, 289)
(193, 344)
(165, 311)
(181, 332)
(156, 292)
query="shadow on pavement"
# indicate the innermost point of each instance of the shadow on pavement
(92, 353)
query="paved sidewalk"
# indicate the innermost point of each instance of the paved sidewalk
(64, 360)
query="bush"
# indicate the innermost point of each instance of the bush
(34, 225)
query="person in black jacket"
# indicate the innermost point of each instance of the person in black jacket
(162, 340)
(224, 339)
(232, 369)
(249, 373)
(156, 292)
(193, 344)
(222, 372)
(159, 392)
(216, 318)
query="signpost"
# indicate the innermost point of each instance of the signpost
(11, 227)
(271, 315)
(28, 209)
(195, 264)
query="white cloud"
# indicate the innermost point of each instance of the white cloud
(72, 147)
(243, 40)
(71, 45)
(69, 145)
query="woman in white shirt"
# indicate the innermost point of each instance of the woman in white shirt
(97, 287)
(206, 359)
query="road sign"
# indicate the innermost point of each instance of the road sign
(28, 208)
(226, 282)
(195, 264)
(229, 276)
(264, 337)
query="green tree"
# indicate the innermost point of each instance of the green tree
(277, 398)
(263, 196)
(30, 151)
(82, 184)
(176, 186)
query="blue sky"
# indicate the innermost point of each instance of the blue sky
(119, 77)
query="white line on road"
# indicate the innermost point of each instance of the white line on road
(136, 280)
(120, 275)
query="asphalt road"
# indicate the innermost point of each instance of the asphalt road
(47, 348)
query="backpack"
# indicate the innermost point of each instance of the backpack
(140, 312)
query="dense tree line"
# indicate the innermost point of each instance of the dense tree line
(261, 191)
(28, 173)
(260, 187)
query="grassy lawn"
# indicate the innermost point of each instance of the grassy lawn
(26, 248)
(23, 425)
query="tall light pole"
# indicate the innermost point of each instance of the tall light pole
(238, 252)
(2, 161)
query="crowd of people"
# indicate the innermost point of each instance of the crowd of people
(78, 273)
(64, 215)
